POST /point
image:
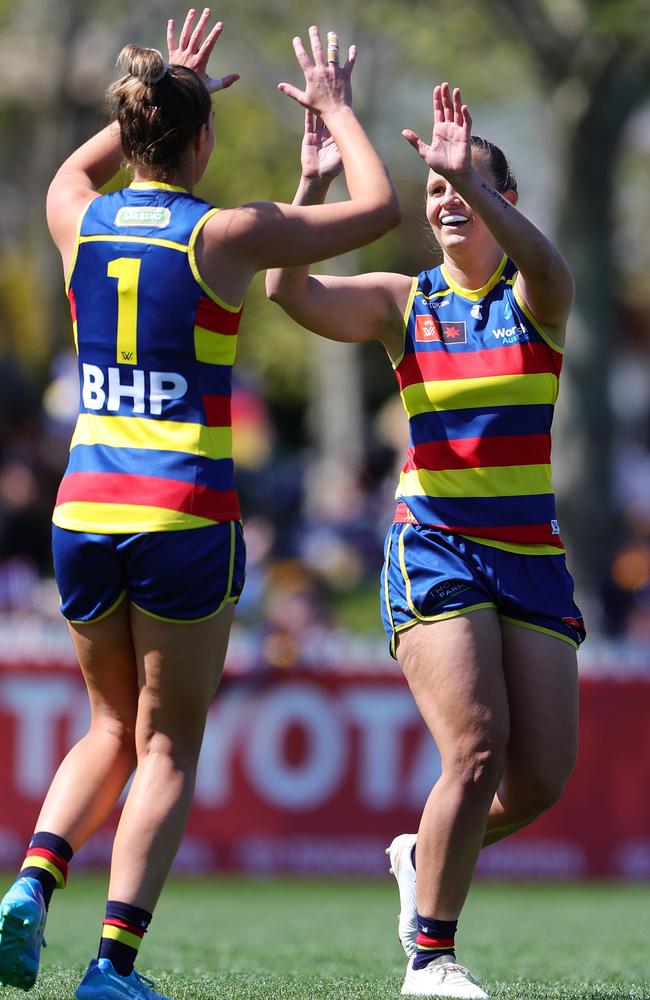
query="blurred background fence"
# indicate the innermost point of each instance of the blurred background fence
(564, 87)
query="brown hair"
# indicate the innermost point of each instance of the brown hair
(504, 179)
(159, 109)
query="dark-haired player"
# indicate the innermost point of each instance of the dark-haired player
(477, 601)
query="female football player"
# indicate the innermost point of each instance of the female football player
(477, 601)
(147, 539)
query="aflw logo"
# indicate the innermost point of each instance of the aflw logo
(426, 328)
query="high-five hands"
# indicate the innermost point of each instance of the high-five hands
(450, 151)
(327, 85)
(193, 49)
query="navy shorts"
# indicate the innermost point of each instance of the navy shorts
(177, 576)
(430, 575)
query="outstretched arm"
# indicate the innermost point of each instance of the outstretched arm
(349, 309)
(544, 282)
(79, 179)
(269, 234)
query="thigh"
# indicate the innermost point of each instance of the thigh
(108, 664)
(179, 669)
(542, 680)
(454, 669)
(428, 576)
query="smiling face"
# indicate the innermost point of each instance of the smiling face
(455, 225)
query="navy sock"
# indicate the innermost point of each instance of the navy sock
(47, 861)
(122, 933)
(434, 938)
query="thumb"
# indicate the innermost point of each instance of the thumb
(214, 84)
(297, 95)
(414, 140)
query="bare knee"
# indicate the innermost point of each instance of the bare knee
(476, 767)
(179, 751)
(536, 790)
(116, 732)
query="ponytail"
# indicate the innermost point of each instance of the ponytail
(160, 109)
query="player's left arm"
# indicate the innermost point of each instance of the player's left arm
(544, 282)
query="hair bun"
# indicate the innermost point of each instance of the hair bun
(147, 65)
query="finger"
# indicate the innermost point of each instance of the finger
(199, 31)
(187, 28)
(316, 46)
(447, 104)
(208, 44)
(214, 84)
(332, 48)
(301, 55)
(296, 95)
(438, 110)
(350, 61)
(172, 44)
(414, 140)
(467, 119)
(458, 107)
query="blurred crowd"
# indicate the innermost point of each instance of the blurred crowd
(312, 570)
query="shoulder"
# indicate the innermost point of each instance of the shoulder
(431, 280)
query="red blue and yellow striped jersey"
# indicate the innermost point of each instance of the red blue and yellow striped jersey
(479, 380)
(152, 447)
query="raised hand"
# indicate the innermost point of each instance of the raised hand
(193, 49)
(327, 85)
(450, 151)
(319, 156)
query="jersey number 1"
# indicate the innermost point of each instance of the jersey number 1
(127, 272)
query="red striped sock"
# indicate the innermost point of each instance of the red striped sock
(434, 938)
(122, 932)
(46, 860)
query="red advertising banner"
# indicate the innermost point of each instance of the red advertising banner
(315, 772)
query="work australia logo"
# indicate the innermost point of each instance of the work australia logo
(512, 334)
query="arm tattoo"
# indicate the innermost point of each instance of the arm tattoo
(503, 204)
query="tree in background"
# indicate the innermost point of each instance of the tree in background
(585, 62)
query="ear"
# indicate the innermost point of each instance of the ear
(511, 196)
(200, 138)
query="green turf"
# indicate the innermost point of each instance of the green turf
(288, 940)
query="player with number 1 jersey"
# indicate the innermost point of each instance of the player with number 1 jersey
(152, 448)
(147, 541)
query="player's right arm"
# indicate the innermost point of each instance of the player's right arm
(344, 308)
(238, 242)
(77, 182)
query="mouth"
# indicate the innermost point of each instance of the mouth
(453, 220)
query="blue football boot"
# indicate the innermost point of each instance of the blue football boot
(102, 982)
(22, 922)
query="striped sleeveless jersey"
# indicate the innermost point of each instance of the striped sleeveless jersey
(152, 447)
(479, 380)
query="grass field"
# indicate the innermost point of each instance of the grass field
(230, 939)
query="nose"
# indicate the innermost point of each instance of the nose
(451, 196)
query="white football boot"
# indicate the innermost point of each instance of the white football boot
(401, 866)
(443, 977)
